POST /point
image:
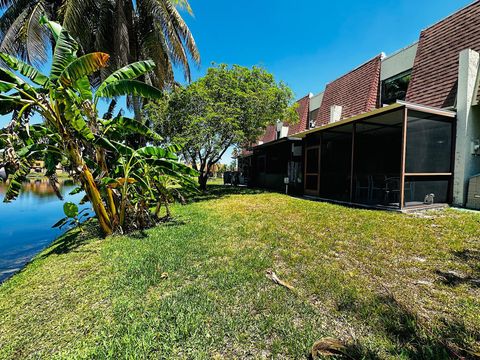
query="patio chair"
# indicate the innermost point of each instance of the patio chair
(378, 186)
(363, 185)
(392, 190)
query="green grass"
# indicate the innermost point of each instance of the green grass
(392, 286)
(215, 181)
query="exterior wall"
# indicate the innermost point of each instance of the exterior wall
(316, 101)
(468, 125)
(398, 62)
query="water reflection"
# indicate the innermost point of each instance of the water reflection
(25, 224)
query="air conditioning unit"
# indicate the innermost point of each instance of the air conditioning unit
(335, 113)
(473, 197)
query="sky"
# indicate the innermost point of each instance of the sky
(307, 43)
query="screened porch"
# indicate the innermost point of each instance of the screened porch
(395, 157)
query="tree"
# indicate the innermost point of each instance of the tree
(118, 181)
(228, 107)
(128, 30)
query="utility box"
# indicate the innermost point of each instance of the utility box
(473, 197)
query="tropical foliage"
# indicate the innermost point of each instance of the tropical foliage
(228, 107)
(118, 180)
(128, 30)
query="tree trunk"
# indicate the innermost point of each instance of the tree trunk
(202, 181)
(93, 194)
(88, 184)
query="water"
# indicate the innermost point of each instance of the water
(26, 223)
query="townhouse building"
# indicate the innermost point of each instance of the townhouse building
(397, 132)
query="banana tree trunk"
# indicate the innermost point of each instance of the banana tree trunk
(88, 184)
(93, 194)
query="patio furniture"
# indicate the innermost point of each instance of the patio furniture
(378, 186)
(363, 185)
(392, 190)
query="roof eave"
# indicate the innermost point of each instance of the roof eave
(379, 111)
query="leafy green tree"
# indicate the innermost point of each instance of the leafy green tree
(228, 107)
(118, 180)
(128, 30)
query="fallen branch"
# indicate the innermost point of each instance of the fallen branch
(272, 276)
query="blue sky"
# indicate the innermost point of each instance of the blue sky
(307, 43)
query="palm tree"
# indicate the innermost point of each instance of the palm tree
(127, 30)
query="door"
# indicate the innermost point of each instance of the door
(312, 170)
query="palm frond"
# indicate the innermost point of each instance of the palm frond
(36, 36)
(171, 32)
(11, 42)
(76, 16)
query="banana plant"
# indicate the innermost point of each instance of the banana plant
(91, 148)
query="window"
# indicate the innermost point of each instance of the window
(312, 117)
(395, 88)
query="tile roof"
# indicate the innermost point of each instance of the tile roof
(356, 92)
(435, 71)
(302, 110)
(270, 134)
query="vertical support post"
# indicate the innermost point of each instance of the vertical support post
(403, 156)
(466, 164)
(354, 129)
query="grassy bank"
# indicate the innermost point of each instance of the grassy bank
(388, 285)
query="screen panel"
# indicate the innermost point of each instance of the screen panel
(429, 143)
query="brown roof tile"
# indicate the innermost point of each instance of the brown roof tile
(270, 134)
(303, 106)
(302, 110)
(356, 92)
(435, 71)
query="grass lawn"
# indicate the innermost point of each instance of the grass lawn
(388, 285)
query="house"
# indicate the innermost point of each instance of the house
(399, 131)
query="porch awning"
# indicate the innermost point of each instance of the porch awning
(380, 111)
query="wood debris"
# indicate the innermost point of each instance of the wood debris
(272, 276)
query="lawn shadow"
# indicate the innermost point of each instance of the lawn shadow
(413, 337)
(72, 240)
(215, 192)
(468, 257)
(452, 278)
